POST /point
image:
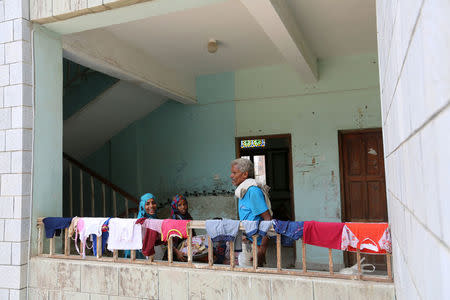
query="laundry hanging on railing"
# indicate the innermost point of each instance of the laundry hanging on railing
(54, 225)
(361, 236)
(290, 231)
(105, 235)
(367, 237)
(73, 228)
(225, 231)
(176, 228)
(124, 234)
(153, 224)
(251, 227)
(259, 228)
(87, 227)
(263, 227)
(323, 234)
(151, 238)
(222, 230)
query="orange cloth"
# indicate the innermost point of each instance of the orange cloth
(371, 237)
(177, 228)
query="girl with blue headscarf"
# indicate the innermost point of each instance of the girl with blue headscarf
(147, 209)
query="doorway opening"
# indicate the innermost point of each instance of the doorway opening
(272, 157)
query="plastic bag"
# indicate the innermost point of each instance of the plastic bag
(354, 269)
(246, 256)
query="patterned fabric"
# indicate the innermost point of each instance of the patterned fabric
(386, 242)
(348, 239)
(368, 237)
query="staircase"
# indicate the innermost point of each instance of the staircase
(88, 194)
(82, 85)
(96, 107)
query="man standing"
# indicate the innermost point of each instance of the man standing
(254, 204)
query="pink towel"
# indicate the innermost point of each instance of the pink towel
(177, 228)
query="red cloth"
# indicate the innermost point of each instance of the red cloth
(323, 234)
(151, 239)
(370, 235)
(141, 221)
(177, 228)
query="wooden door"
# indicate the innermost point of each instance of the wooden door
(363, 188)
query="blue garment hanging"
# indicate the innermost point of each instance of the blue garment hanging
(264, 226)
(222, 230)
(53, 225)
(290, 231)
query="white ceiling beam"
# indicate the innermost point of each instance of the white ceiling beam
(89, 20)
(280, 26)
(102, 51)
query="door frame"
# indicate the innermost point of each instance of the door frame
(341, 161)
(291, 175)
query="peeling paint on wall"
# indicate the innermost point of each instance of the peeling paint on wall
(360, 117)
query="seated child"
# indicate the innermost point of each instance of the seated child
(179, 211)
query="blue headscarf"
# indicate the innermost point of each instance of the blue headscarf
(142, 212)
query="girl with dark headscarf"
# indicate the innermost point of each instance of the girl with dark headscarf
(179, 208)
(179, 211)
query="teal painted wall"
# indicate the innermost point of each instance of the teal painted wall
(181, 146)
(48, 125)
(271, 100)
(177, 148)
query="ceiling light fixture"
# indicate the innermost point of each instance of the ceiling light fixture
(212, 46)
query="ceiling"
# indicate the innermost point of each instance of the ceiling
(337, 28)
(178, 40)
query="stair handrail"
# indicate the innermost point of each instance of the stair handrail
(100, 178)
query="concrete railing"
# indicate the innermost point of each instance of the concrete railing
(210, 265)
